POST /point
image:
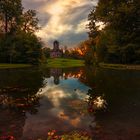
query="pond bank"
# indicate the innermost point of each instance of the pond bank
(120, 66)
(9, 66)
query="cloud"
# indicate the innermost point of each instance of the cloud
(61, 20)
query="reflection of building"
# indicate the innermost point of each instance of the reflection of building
(56, 52)
(56, 73)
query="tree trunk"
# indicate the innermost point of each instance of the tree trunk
(6, 23)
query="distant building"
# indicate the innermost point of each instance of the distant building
(56, 52)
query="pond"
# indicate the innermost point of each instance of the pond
(103, 103)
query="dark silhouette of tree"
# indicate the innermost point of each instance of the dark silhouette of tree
(10, 11)
(118, 41)
(18, 42)
(29, 21)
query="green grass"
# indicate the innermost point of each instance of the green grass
(120, 66)
(64, 63)
(10, 66)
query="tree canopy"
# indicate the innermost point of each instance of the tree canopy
(18, 42)
(119, 40)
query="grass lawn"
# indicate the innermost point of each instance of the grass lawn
(64, 63)
(9, 66)
(120, 66)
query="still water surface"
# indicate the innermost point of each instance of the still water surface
(104, 103)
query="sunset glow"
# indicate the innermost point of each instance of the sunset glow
(62, 20)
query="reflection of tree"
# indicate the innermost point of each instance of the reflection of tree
(88, 76)
(20, 82)
(11, 119)
(91, 77)
(117, 88)
(95, 101)
(11, 125)
(72, 73)
(96, 104)
(64, 73)
(20, 104)
(15, 109)
(18, 88)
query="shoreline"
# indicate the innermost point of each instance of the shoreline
(120, 66)
(13, 66)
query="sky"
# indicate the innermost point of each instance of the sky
(62, 20)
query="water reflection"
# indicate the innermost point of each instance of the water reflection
(61, 105)
(82, 99)
(99, 102)
(119, 91)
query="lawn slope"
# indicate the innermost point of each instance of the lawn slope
(64, 63)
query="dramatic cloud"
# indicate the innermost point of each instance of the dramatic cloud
(64, 20)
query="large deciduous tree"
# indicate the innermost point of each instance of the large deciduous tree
(29, 21)
(120, 37)
(18, 42)
(10, 11)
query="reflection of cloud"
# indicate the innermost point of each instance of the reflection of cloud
(65, 110)
(60, 94)
(62, 19)
(69, 88)
(81, 95)
(55, 96)
(76, 121)
(73, 121)
(62, 115)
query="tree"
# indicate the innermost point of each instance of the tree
(18, 42)
(92, 26)
(120, 35)
(29, 21)
(87, 51)
(28, 48)
(10, 11)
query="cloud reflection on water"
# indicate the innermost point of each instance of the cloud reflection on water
(61, 108)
